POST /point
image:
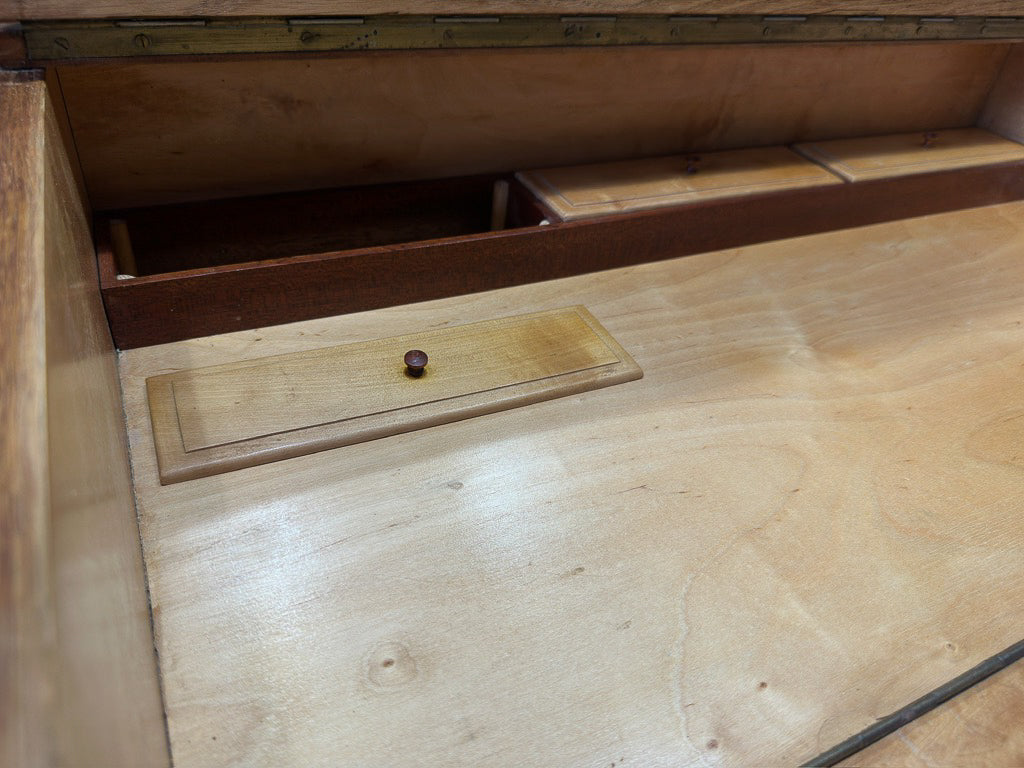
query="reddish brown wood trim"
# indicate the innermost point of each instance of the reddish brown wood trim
(105, 255)
(163, 308)
(12, 45)
(525, 209)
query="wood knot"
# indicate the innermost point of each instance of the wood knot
(389, 665)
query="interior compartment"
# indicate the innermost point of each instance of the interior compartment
(170, 306)
(156, 132)
(337, 191)
(218, 233)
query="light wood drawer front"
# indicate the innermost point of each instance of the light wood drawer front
(583, 191)
(211, 420)
(879, 157)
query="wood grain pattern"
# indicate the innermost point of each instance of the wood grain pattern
(980, 727)
(90, 9)
(27, 648)
(879, 157)
(79, 681)
(584, 191)
(56, 103)
(227, 417)
(151, 133)
(110, 711)
(162, 308)
(803, 517)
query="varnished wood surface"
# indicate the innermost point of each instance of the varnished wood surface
(583, 191)
(980, 727)
(157, 133)
(880, 157)
(87, 9)
(27, 650)
(110, 710)
(237, 415)
(78, 677)
(802, 518)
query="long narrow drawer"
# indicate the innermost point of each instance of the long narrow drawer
(236, 415)
(584, 191)
(903, 154)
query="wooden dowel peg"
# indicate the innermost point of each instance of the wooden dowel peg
(499, 205)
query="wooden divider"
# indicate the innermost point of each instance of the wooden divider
(1003, 112)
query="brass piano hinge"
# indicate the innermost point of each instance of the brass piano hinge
(66, 41)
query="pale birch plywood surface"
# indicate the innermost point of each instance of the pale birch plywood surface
(583, 191)
(984, 726)
(226, 417)
(151, 133)
(883, 157)
(803, 517)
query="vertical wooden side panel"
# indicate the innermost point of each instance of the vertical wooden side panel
(1003, 112)
(110, 711)
(78, 676)
(53, 87)
(26, 626)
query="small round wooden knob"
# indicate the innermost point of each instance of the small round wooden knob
(415, 362)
